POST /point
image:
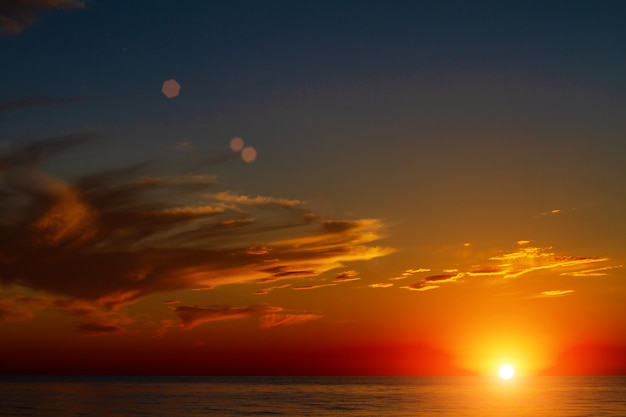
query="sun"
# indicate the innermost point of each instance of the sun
(506, 372)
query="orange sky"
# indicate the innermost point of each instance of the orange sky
(296, 207)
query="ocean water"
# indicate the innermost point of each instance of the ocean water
(312, 396)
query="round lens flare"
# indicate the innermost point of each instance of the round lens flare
(506, 372)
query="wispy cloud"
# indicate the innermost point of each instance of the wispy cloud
(556, 293)
(269, 316)
(420, 286)
(347, 276)
(36, 102)
(13, 310)
(267, 290)
(191, 317)
(409, 272)
(279, 319)
(381, 285)
(514, 264)
(16, 15)
(312, 287)
(429, 282)
(597, 272)
(112, 238)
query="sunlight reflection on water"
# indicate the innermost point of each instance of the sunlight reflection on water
(323, 397)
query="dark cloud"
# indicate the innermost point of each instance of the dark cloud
(346, 276)
(99, 329)
(277, 319)
(16, 15)
(193, 316)
(36, 102)
(111, 238)
(13, 310)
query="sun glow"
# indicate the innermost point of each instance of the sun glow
(506, 372)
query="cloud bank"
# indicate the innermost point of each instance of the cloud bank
(16, 15)
(112, 238)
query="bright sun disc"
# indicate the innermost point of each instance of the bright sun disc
(506, 372)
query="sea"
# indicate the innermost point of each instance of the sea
(312, 396)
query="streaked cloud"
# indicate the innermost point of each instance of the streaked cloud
(597, 272)
(111, 238)
(17, 15)
(381, 285)
(184, 146)
(556, 293)
(347, 276)
(420, 286)
(191, 317)
(427, 283)
(37, 102)
(280, 319)
(312, 287)
(409, 272)
(514, 264)
(268, 316)
(13, 310)
(267, 290)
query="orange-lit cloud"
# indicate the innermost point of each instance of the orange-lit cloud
(556, 293)
(267, 290)
(311, 287)
(15, 16)
(280, 319)
(427, 283)
(191, 317)
(112, 238)
(420, 286)
(597, 272)
(409, 272)
(514, 264)
(381, 285)
(269, 316)
(13, 310)
(347, 276)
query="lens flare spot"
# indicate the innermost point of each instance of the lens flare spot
(236, 144)
(170, 88)
(248, 154)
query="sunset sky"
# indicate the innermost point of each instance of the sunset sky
(312, 187)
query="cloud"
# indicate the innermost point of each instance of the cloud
(191, 317)
(409, 272)
(184, 146)
(555, 211)
(111, 238)
(347, 276)
(420, 286)
(269, 316)
(16, 15)
(13, 310)
(93, 319)
(556, 293)
(381, 285)
(96, 329)
(427, 283)
(276, 319)
(311, 287)
(267, 290)
(36, 102)
(597, 272)
(514, 264)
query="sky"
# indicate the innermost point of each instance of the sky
(312, 188)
